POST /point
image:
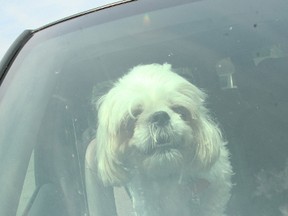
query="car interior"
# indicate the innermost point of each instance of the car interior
(244, 77)
(251, 114)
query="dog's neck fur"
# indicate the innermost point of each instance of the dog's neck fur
(170, 196)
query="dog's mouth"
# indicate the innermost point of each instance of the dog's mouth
(162, 139)
(163, 154)
(163, 145)
(160, 149)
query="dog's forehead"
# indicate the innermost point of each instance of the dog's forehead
(147, 83)
(151, 94)
(145, 95)
(153, 85)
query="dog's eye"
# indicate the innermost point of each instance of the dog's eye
(127, 129)
(136, 112)
(182, 111)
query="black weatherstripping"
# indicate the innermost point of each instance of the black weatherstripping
(12, 52)
(84, 13)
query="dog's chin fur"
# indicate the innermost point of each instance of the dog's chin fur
(154, 123)
(165, 158)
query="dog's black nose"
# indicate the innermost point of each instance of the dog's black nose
(160, 118)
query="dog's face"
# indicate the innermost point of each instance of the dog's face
(158, 132)
(153, 121)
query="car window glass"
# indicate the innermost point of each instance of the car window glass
(237, 55)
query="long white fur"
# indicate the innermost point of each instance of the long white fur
(156, 87)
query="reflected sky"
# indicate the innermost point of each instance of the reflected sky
(16, 15)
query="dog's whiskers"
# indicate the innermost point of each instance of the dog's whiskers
(152, 130)
(159, 134)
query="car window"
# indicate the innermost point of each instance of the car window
(234, 53)
(28, 187)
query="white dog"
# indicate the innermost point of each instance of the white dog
(156, 138)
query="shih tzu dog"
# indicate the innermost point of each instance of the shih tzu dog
(155, 137)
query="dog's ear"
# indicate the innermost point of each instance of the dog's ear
(111, 170)
(206, 132)
(208, 140)
(109, 144)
